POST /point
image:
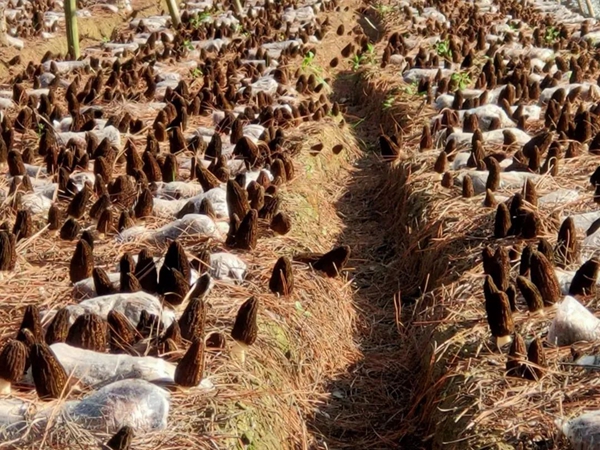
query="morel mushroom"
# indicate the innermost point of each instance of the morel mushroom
(190, 369)
(82, 262)
(245, 328)
(333, 261)
(122, 333)
(498, 311)
(102, 283)
(121, 440)
(282, 278)
(59, 327)
(193, 319)
(584, 281)
(89, 332)
(49, 376)
(516, 357)
(544, 277)
(12, 364)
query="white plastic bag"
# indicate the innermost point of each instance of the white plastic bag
(134, 403)
(583, 432)
(130, 305)
(98, 369)
(573, 323)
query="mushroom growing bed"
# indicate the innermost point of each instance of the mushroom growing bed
(492, 184)
(148, 264)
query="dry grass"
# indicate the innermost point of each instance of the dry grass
(461, 397)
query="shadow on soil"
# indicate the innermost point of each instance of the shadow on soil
(368, 404)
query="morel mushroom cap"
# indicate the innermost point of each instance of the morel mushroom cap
(193, 319)
(190, 369)
(49, 376)
(245, 328)
(89, 332)
(333, 261)
(59, 327)
(282, 278)
(13, 358)
(121, 440)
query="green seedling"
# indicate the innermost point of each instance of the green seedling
(187, 44)
(442, 48)
(462, 79)
(552, 35)
(196, 72)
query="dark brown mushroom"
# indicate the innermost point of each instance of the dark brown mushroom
(282, 278)
(89, 331)
(49, 376)
(190, 369)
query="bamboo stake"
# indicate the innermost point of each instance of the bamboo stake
(174, 12)
(72, 30)
(590, 8)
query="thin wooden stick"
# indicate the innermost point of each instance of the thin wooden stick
(174, 12)
(72, 30)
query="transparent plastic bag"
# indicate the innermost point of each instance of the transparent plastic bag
(135, 403)
(12, 418)
(188, 225)
(95, 369)
(573, 323)
(583, 432)
(226, 266)
(130, 305)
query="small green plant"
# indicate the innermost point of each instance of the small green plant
(442, 48)
(187, 44)
(196, 72)
(462, 79)
(197, 20)
(382, 9)
(40, 129)
(411, 89)
(363, 58)
(308, 61)
(552, 35)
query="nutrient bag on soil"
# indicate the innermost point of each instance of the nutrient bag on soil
(96, 369)
(130, 305)
(573, 323)
(12, 418)
(134, 403)
(583, 432)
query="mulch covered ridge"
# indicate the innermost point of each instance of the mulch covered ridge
(488, 113)
(187, 144)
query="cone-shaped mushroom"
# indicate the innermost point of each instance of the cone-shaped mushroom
(190, 369)
(281, 223)
(567, 246)
(502, 222)
(121, 440)
(215, 341)
(584, 281)
(49, 376)
(537, 359)
(129, 283)
(173, 285)
(102, 283)
(544, 278)
(176, 258)
(82, 262)
(245, 329)
(146, 273)
(122, 333)
(12, 364)
(144, 205)
(246, 234)
(333, 261)
(282, 278)
(516, 357)
(193, 319)
(31, 321)
(58, 329)
(89, 332)
(530, 293)
(498, 311)
(8, 251)
(237, 200)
